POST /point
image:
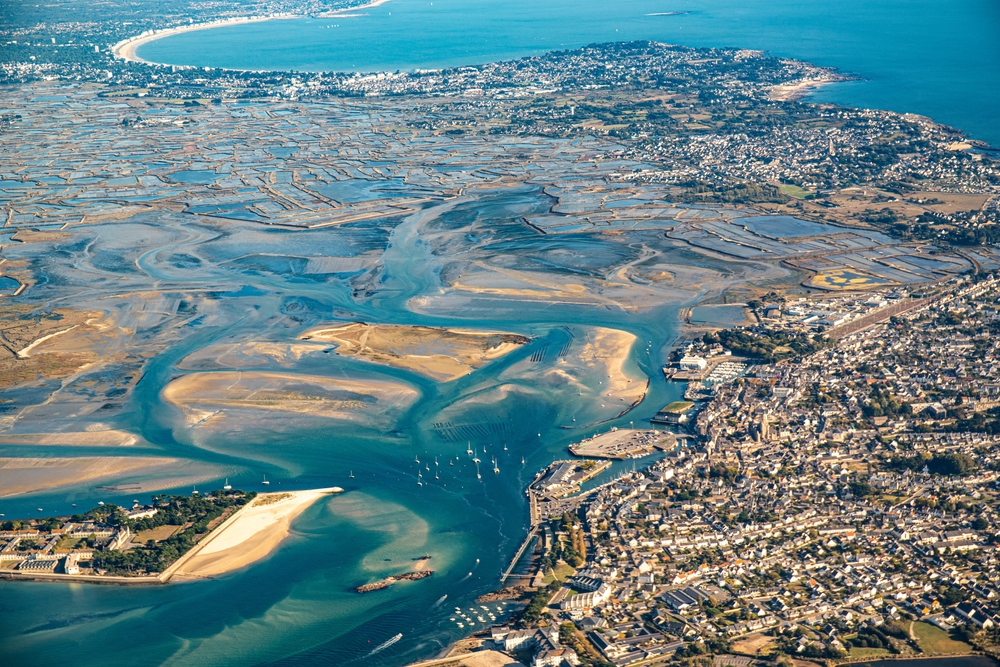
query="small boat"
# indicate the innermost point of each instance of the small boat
(352, 474)
(100, 503)
(468, 449)
(39, 509)
(417, 459)
(228, 486)
(522, 460)
(195, 491)
(505, 446)
(265, 482)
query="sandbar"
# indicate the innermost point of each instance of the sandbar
(202, 396)
(444, 354)
(19, 476)
(248, 536)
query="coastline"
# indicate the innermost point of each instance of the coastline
(126, 49)
(250, 534)
(246, 537)
(797, 90)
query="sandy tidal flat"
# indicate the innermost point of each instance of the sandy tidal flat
(210, 397)
(249, 535)
(19, 476)
(443, 354)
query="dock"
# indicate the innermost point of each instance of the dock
(520, 552)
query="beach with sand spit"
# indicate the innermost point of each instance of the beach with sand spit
(126, 49)
(247, 536)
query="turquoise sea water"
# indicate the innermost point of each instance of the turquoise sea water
(297, 607)
(939, 59)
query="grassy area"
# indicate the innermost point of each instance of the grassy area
(865, 652)
(157, 534)
(562, 572)
(932, 640)
(794, 191)
(67, 543)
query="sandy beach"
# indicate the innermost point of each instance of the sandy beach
(789, 92)
(247, 536)
(126, 49)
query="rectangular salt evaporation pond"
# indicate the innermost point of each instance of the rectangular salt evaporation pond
(783, 226)
(358, 189)
(193, 177)
(724, 315)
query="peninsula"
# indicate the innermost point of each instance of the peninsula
(172, 538)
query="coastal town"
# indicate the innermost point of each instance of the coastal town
(835, 506)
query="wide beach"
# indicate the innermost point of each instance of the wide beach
(248, 536)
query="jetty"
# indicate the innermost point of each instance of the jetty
(520, 552)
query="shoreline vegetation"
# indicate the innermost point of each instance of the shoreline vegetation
(126, 49)
(240, 529)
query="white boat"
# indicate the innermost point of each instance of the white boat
(352, 474)
(227, 486)
(265, 482)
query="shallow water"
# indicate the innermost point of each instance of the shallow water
(297, 606)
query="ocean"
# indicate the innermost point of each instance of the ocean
(937, 59)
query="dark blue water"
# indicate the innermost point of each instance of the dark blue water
(939, 59)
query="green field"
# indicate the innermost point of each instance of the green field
(935, 641)
(794, 191)
(678, 407)
(67, 543)
(562, 572)
(859, 652)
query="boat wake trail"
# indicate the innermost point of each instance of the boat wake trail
(440, 600)
(384, 645)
